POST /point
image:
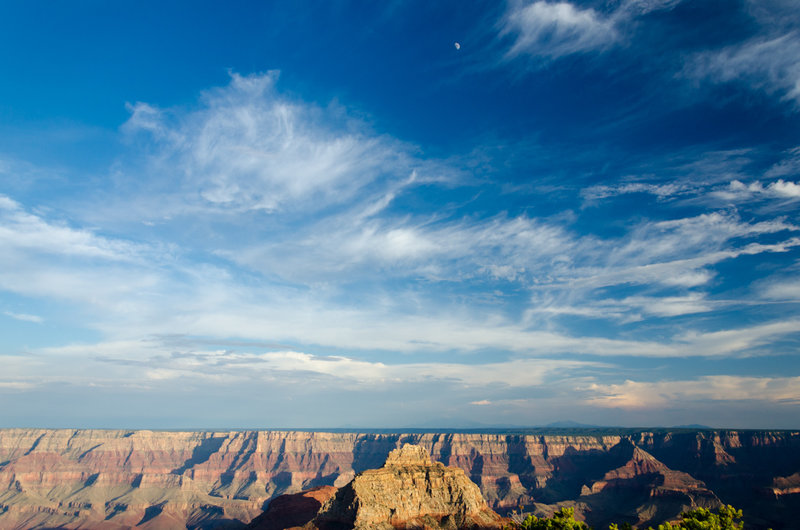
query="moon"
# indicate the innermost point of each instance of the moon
(457, 45)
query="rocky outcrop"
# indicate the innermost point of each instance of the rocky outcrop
(643, 471)
(409, 491)
(119, 479)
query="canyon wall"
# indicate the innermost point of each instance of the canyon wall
(121, 479)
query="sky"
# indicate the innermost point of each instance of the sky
(334, 214)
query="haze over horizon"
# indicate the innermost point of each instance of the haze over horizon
(358, 214)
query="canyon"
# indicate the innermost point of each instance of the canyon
(409, 492)
(159, 479)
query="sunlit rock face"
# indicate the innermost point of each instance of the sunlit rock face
(118, 479)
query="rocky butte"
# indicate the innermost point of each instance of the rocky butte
(409, 491)
(122, 479)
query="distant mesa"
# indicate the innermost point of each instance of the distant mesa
(409, 491)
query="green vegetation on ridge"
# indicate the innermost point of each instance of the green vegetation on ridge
(725, 518)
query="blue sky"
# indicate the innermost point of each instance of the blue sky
(389, 214)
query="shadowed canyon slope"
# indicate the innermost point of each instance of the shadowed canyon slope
(120, 479)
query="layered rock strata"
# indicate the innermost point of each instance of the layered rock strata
(119, 479)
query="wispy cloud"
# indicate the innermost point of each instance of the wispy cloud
(161, 297)
(660, 190)
(425, 246)
(668, 306)
(16, 385)
(787, 289)
(676, 252)
(555, 29)
(249, 148)
(24, 317)
(147, 361)
(660, 394)
(647, 6)
(21, 231)
(46, 258)
(767, 62)
(691, 177)
(549, 30)
(787, 166)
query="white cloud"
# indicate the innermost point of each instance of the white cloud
(499, 247)
(600, 309)
(669, 306)
(521, 250)
(675, 252)
(770, 63)
(738, 191)
(362, 330)
(676, 238)
(21, 231)
(42, 258)
(785, 189)
(555, 29)
(143, 364)
(16, 385)
(145, 117)
(780, 290)
(549, 30)
(147, 361)
(739, 340)
(24, 317)
(632, 308)
(150, 294)
(665, 394)
(662, 191)
(641, 7)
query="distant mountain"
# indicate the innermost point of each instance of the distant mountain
(570, 425)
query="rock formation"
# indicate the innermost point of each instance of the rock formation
(119, 479)
(409, 491)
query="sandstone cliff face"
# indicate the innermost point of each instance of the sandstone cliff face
(119, 479)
